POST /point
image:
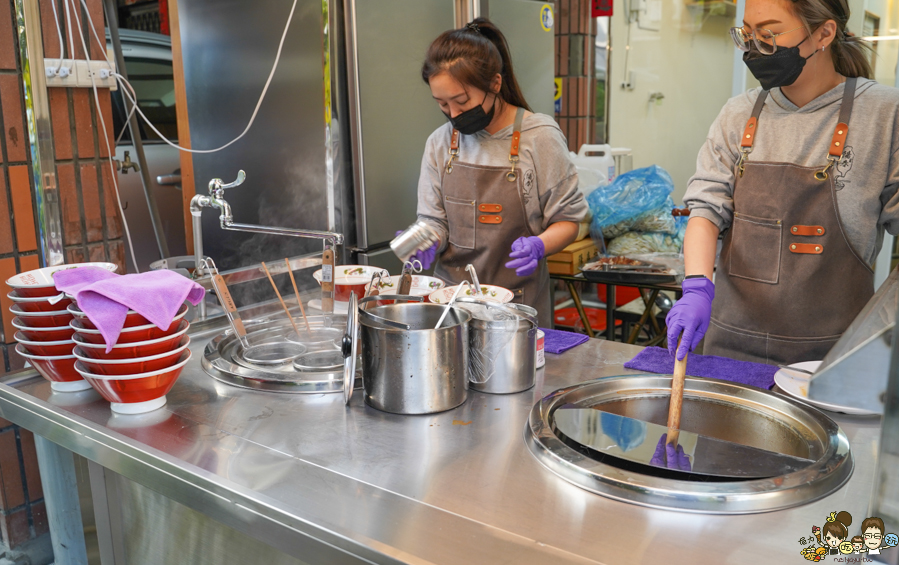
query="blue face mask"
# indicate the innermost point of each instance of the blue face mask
(474, 120)
(780, 68)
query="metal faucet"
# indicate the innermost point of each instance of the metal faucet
(216, 199)
(127, 163)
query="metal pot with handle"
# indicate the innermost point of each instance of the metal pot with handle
(408, 367)
(502, 346)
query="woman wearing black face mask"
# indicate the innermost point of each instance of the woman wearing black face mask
(801, 176)
(497, 184)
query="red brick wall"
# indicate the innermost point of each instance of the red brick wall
(575, 36)
(91, 225)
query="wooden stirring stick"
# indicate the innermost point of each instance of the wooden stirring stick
(677, 397)
(297, 294)
(286, 311)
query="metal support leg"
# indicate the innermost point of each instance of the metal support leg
(647, 313)
(610, 312)
(576, 298)
(885, 495)
(106, 514)
(57, 468)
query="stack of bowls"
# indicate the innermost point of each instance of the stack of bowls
(142, 365)
(43, 333)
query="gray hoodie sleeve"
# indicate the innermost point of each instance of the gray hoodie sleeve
(430, 196)
(557, 182)
(889, 198)
(710, 191)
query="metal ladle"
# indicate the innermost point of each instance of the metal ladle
(449, 305)
(474, 279)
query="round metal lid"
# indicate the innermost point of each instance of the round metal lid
(348, 347)
(630, 405)
(223, 360)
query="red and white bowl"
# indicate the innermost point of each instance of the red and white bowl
(58, 333)
(489, 292)
(132, 318)
(58, 369)
(131, 350)
(129, 335)
(51, 348)
(52, 319)
(422, 285)
(39, 282)
(133, 365)
(39, 304)
(348, 279)
(136, 393)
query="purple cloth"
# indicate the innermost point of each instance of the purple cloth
(106, 298)
(557, 341)
(658, 360)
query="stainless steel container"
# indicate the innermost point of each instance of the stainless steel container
(418, 370)
(503, 346)
(417, 237)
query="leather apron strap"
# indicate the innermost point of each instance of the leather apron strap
(486, 212)
(788, 281)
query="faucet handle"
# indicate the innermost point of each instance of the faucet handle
(216, 184)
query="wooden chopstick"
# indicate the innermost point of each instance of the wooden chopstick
(297, 294)
(286, 311)
(677, 397)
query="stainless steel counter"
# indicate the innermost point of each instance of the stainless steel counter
(324, 482)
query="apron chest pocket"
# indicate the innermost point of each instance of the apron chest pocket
(755, 248)
(461, 216)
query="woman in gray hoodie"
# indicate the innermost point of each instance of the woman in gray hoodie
(801, 178)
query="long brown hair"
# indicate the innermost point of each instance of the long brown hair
(474, 55)
(849, 53)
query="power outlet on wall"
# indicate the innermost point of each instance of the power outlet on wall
(80, 73)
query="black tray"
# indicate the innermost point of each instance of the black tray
(622, 276)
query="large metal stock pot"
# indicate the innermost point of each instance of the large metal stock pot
(408, 367)
(502, 346)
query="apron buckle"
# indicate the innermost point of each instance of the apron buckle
(512, 175)
(822, 174)
(743, 158)
(453, 154)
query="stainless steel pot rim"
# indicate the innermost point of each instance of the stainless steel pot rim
(827, 474)
(371, 318)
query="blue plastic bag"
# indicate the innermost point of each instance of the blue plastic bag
(616, 206)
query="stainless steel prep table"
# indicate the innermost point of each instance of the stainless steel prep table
(321, 482)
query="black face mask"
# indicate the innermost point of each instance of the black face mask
(781, 68)
(474, 120)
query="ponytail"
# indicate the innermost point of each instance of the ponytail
(474, 55)
(850, 54)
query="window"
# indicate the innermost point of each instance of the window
(155, 89)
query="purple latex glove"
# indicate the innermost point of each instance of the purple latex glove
(426, 257)
(667, 456)
(526, 252)
(690, 315)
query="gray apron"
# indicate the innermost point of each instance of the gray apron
(788, 282)
(485, 211)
